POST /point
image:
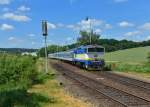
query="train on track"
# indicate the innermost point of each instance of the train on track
(90, 57)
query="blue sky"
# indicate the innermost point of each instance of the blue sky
(20, 20)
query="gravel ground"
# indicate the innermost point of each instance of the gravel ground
(132, 90)
(86, 95)
(83, 93)
(138, 76)
(80, 92)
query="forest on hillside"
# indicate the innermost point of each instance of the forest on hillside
(16, 50)
(109, 44)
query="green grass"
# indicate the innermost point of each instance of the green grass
(129, 67)
(129, 60)
(17, 75)
(51, 88)
(134, 55)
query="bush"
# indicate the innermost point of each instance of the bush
(17, 72)
(17, 75)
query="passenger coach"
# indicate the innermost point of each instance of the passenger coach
(89, 57)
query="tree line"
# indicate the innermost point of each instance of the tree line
(16, 50)
(84, 39)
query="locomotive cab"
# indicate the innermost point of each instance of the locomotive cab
(90, 57)
(95, 53)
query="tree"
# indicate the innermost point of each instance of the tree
(109, 44)
(85, 38)
(52, 49)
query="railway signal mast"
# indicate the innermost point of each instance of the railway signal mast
(45, 34)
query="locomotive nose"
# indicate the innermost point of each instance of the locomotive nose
(95, 55)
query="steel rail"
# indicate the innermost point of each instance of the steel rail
(90, 79)
(128, 80)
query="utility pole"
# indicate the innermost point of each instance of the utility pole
(90, 32)
(90, 28)
(45, 34)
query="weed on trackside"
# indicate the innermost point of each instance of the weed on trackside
(52, 89)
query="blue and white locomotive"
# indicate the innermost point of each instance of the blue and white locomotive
(89, 57)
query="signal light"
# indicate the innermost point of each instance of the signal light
(44, 28)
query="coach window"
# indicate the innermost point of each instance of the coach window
(99, 49)
(95, 49)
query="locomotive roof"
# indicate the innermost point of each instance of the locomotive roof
(87, 46)
(91, 46)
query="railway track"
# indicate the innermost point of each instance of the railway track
(127, 81)
(122, 98)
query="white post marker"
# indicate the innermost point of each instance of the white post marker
(45, 34)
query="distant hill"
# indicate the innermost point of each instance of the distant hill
(17, 50)
(134, 55)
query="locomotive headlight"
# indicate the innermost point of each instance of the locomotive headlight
(86, 56)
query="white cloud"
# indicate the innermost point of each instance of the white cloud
(145, 26)
(86, 24)
(125, 24)
(23, 8)
(33, 43)
(5, 9)
(108, 26)
(15, 17)
(93, 22)
(120, 1)
(14, 40)
(82, 25)
(72, 1)
(148, 38)
(11, 38)
(70, 26)
(3, 2)
(60, 25)
(6, 27)
(96, 22)
(49, 40)
(69, 39)
(134, 33)
(31, 35)
(51, 26)
(98, 31)
(74, 27)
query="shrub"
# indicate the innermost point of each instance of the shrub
(17, 75)
(17, 72)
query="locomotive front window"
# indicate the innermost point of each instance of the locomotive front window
(95, 49)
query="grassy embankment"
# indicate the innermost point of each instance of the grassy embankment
(23, 84)
(17, 75)
(130, 60)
